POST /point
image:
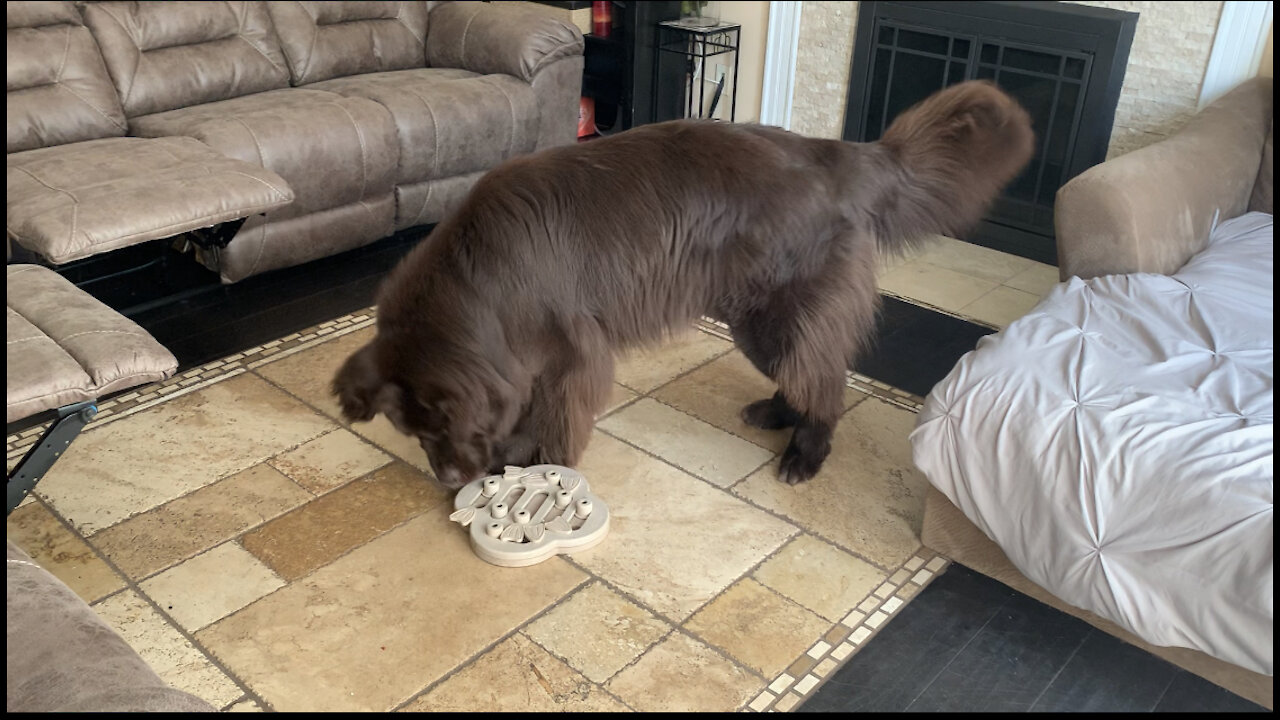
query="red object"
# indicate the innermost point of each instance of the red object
(586, 117)
(601, 18)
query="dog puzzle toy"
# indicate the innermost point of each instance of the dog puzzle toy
(526, 515)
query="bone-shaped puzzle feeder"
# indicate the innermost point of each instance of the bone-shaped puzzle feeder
(526, 515)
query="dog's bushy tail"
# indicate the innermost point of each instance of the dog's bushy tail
(948, 158)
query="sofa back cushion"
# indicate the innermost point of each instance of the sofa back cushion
(1261, 199)
(323, 40)
(58, 90)
(167, 55)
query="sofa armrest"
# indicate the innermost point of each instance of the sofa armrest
(490, 39)
(1152, 209)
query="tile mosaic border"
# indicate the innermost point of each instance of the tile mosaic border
(844, 639)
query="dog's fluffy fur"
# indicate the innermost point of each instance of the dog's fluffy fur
(496, 336)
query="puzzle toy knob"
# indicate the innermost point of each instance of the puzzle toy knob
(532, 514)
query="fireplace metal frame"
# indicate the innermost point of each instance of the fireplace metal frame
(1101, 34)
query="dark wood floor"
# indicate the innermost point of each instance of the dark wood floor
(968, 643)
(199, 319)
(916, 347)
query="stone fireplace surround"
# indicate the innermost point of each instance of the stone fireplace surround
(1162, 83)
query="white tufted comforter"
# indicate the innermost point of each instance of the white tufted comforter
(1116, 443)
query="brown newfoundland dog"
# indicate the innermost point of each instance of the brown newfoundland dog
(496, 336)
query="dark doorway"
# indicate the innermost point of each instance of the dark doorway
(1064, 62)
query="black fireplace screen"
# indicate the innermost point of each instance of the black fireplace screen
(1063, 62)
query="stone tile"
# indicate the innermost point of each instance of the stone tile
(65, 555)
(940, 287)
(821, 577)
(681, 674)
(309, 374)
(1001, 306)
(121, 469)
(296, 543)
(181, 528)
(1038, 279)
(644, 370)
(211, 586)
(172, 656)
(674, 541)
(376, 626)
(717, 392)
(619, 395)
(517, 676)
(755, 625)
(685, 441)
(597, 631)
(329, 461)
(868, 497)
(973, 260)
(382, 433)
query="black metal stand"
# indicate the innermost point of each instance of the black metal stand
(695, 45)
(71, 420)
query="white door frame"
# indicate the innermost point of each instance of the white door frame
(781, 45)
(1237, 47)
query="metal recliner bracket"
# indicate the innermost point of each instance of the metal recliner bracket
(71, 420)
(216, 236)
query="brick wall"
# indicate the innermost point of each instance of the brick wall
(1162, 82)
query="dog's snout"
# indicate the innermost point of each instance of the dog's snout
(452, 477)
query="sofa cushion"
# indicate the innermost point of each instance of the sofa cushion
(331, 150)
(164, 55)
(64, 346)
(58, 90)
(1261, 199)
(449, 121)
(486, 38)
(72, 201)
(61, 657)
(323, 40)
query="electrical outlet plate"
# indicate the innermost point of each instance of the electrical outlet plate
(526, 515)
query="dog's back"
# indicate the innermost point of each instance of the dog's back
(650, 228)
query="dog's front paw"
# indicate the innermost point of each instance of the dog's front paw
(796, 468)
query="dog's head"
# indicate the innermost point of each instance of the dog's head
(457, 410)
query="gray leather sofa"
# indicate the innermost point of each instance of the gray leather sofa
(323, 125)
(61, 657)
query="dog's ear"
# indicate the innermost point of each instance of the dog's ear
(359, 386)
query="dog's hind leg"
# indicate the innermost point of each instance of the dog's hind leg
(810, 331)
(760, 343)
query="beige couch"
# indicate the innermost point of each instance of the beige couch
(1147, 211)
(322, 126)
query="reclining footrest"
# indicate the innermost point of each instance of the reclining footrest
(64, 350)
(72, 201)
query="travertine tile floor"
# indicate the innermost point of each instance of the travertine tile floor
(969, 281)
(264, 555)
